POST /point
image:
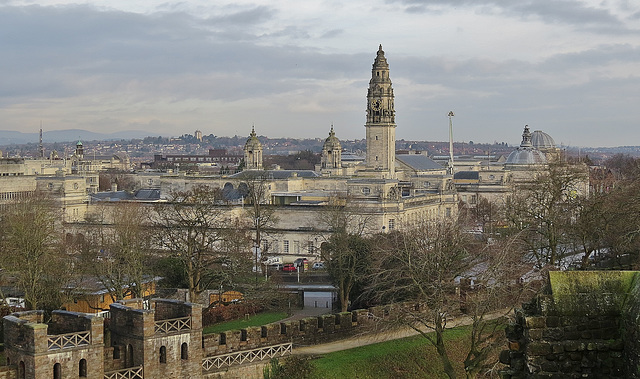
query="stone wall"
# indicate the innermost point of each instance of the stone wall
(307, 331)
(576, 331)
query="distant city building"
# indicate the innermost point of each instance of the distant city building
(216, 158)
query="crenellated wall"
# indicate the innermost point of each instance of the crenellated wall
(307, 331)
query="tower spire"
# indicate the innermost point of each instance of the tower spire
(381, 119)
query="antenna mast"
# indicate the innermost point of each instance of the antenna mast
(41, 146)
(450, 168)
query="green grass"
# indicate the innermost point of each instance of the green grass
(255, 320)
(412, 357)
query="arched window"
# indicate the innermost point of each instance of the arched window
(116, 352)
(82, 368)
(184, 351)
(21, 370)
(163, 354)
(57, 371)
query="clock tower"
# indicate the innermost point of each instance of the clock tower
(381, 120)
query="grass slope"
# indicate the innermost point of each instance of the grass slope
(409, 358)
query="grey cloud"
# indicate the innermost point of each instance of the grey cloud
(74, 51)
(492, 97)
(333, 33)
(552, 11)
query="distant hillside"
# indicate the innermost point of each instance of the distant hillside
(8, 137)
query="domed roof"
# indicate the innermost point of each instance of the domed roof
(332, 142)
(542, 140)
(526, 154)
(253, 142)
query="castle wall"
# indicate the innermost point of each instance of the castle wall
(577, 331)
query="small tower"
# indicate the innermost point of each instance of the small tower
(381, 118)
(79, 150)
(253, 152)
(331, 152)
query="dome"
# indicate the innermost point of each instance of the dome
(332, 142)
(541, 140)
(526, 153)
(253, 143)
(526, 156)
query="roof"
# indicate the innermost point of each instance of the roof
(419, 162)
(141, 194)
(277, 174)
(526, 156)
(111, 196)
(147, 194)
(542, 140)
(467, 175)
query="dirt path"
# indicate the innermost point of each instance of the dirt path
(368, 339)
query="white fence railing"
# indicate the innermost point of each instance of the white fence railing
(173, 325)
(127, 373)
(241, 357)
(63, 341)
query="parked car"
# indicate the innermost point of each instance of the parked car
(289, 267)
(318, 266)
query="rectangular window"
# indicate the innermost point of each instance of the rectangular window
(310, 248)
(392, 224)
(296, 247)
(448, 212)
(285, 246)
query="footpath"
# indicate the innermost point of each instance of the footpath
(382, 336)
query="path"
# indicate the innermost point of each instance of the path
(371, 338)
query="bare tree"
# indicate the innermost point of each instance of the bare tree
(493, 287)
(347, 257)
(421, 267)
(116, 247)
(346, 253)
(31, 250)
(254, 186)
(191, 227)
(542, 210)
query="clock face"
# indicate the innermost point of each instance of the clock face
(376, 104)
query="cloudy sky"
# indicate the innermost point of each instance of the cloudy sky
(293, 67)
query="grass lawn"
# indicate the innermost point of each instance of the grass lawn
(412, 357)
(255, 320)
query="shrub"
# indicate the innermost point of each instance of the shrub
(220, 313)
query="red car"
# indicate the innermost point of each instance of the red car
(289, 268)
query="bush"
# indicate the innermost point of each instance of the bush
(220, 313)
(294, 367)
